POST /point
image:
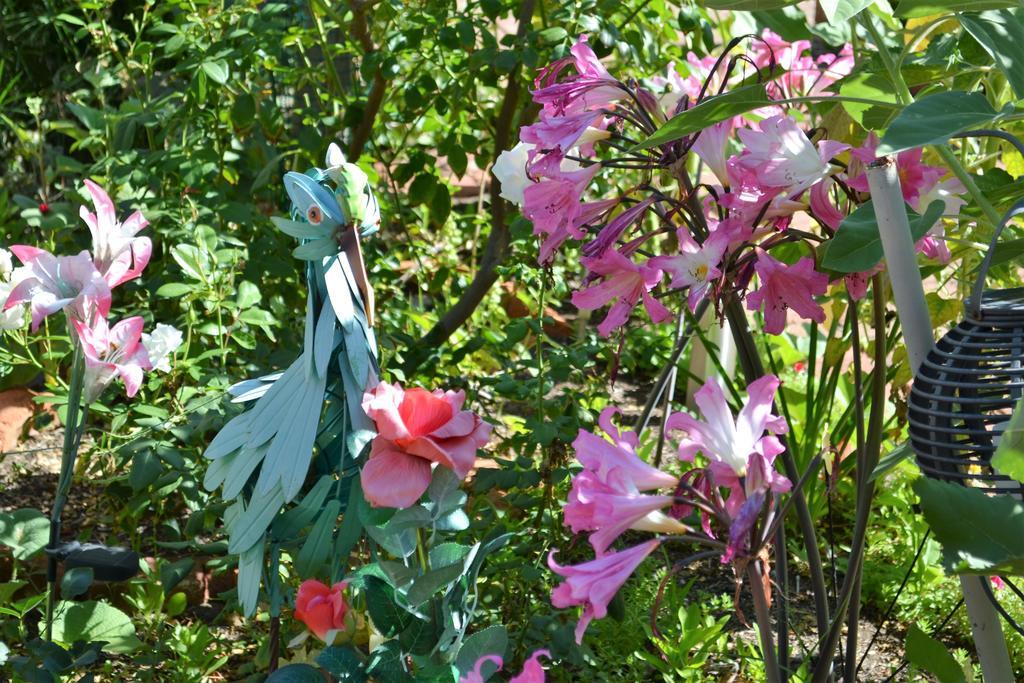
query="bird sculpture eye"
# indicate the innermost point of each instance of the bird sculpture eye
(314, 215)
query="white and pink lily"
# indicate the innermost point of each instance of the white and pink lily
(118, 254)
(112, 352)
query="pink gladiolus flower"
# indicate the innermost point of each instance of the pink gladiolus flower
(415, 428)
(119, 255)
(625, 283)
(51, 283)
(593, 584)
(112, 352)
(823, 207)
(562, 132)
(696, 266)
(321, 609)
(590, 89)
(784, 287)
(782, 156)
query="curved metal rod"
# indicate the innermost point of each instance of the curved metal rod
(974, 302)
(999, 608)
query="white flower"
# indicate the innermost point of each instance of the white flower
(161, 345)
(510, 170)
(6, 263)
(510, 166)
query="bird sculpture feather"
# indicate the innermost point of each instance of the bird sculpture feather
(310, 412)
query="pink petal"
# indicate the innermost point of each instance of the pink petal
(391, 478)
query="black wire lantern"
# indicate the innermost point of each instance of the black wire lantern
(968, 386)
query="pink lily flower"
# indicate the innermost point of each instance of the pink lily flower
(118, 254)
(784, 287)
(609, 506)
(592, 87)
(727, 441)
(696, 266)
(51, 283)
(477, 674)
(112, 352)
(416, 428)
(625, 283)
(827, 212)
(600, 455)
(615, 228)
(782, 156)
(933, 244)
(532, 672)
(712, 146)
(915, 177)
(563, 132)
(593, 584)
(553, 204)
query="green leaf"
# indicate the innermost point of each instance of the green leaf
(173, 290)
(424, 587)
(1009, 456)
(891, 460)
(172, 573)
(925, 8)
(931, 120)
(857, 246)
(1001, 33)
(25, 532)
(319, 542)
(707, 113)
(75, 582)
(837, 11)
(296, 673)
(388, 617)
(146, 467)
(492, 640)
(351, 523)
(217, 71)
(980, 533)
(749, 5)
(930, 655)
(94, 621)
(288, 525)
(344, 663)
(870, 86)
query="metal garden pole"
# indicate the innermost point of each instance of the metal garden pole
(908, 291)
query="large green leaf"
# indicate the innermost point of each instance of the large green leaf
(874, 86)
(857, 246)
(933, 119)
(492, 640)
(709, 112)
(94, 621)
(1001, 33)
(25, 532)
(980, 533)
(924, 8)
(1009, 456)
(319, 542)
(837, 11)
(387, 616)
(930, 655)
(344, 663)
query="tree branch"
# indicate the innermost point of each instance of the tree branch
(498, 240)
(362, 132)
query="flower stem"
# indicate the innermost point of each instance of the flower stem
(764, 622)
(73, 428)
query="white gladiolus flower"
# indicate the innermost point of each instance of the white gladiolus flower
(161, 345)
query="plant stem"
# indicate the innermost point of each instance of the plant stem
(753, 369)
(72, 439)
(764, 623)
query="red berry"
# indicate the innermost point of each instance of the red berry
(44, 207)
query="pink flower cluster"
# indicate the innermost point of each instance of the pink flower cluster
(763, 169)
(81, 285)
(608, 496)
